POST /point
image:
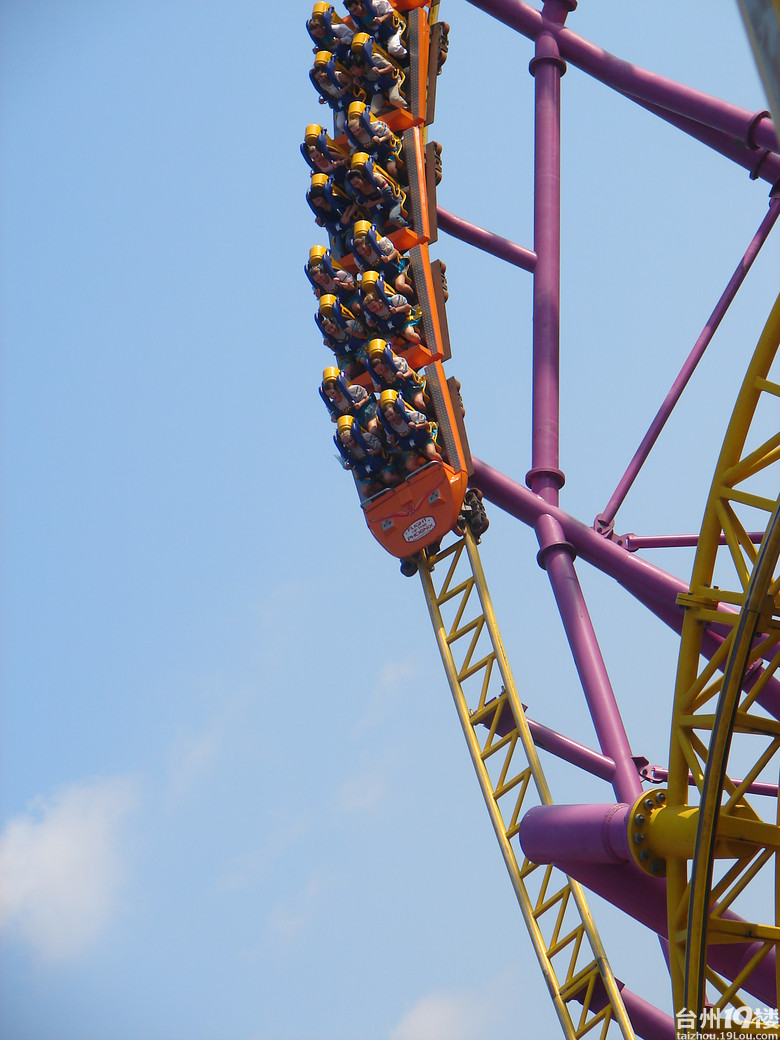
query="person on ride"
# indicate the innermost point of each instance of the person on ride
(387, 312)
(380, 20)
(388, 371)
(343, 333)
(322, 155)
(366, 133)
(375, 252)
(409, 430)
(375, 193)
(333, 209)
(328, 278)
(363, 453)
(376, 73)
(329, 32)
(336, 85)
(342, 398)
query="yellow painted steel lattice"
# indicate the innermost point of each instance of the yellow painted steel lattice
(576, 970)
(725, 717)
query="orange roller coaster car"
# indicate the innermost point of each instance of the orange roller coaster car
(422, 510)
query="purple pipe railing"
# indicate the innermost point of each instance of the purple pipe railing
(754, 129)
(590, 844)
(633, 542)
(605, 519)
(485, 240)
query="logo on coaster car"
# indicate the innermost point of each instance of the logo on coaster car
(414, 532)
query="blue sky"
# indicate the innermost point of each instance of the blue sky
(236, 800)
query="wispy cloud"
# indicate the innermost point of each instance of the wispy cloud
(392, 678)
(61, 865)
(288, 919)
(189, 758)
(361, 792)
(479, 1013)
(251, 868)
(439, 1016)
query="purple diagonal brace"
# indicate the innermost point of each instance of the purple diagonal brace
(556, 557)
(604, 520)
(485, 240)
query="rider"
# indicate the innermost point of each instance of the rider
(363, 453)
(409, 430)
(375, 252)
(342, 398)
(388, 371)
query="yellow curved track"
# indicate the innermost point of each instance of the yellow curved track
(726, 718)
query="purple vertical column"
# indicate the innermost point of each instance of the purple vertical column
(547, 67)
(545, 477)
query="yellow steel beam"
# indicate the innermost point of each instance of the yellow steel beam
(563, 933)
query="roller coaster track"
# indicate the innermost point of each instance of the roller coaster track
(556, 913)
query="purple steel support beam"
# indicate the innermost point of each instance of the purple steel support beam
(605, 519)
(632, 542)
(556, 556)
(590, 844)
(755, 129)
(759, 162)
(570, 750)
(545, 477)
(485, 240)
(583, 833)
(653, 587)
(592, 762)
(628, 888)
(659, 775)
(647, 1020)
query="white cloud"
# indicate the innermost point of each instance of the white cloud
(439, 1016)
(61, 866)
(479, 1013)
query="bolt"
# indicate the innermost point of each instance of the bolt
(655, 866)
(644, 855)
(649, 803)
(660, 797)
(638, 838)
(639, 818)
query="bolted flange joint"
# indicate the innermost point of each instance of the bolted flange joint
(650, 860)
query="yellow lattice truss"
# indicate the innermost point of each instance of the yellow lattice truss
(726, 719)
(567, 945)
